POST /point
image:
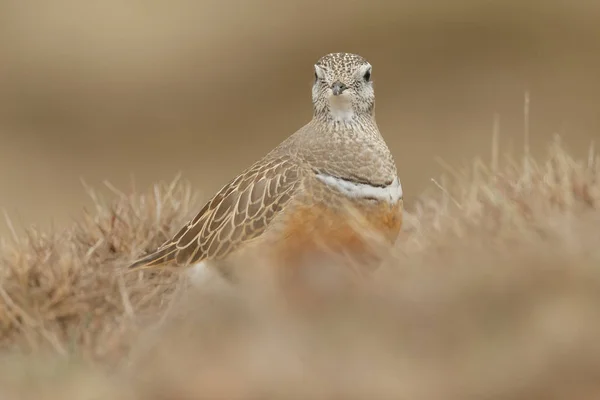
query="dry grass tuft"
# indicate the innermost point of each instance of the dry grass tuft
(65, 292)
(493, 292)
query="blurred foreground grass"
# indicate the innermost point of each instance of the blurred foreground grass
(493, 292)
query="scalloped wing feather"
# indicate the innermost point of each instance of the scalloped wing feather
(240, 211)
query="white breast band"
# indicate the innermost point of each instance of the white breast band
(391, 193)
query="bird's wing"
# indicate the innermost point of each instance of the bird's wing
(240, 211)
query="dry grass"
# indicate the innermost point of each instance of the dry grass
(493, 292)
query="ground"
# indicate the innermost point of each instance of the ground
(492, 292)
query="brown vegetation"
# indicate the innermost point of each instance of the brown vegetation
(493, 292)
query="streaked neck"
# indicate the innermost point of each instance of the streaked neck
(341, 119)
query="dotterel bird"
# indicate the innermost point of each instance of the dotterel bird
(306, 194)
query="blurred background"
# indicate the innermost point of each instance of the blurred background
(111, 89)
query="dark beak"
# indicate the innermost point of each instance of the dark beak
(338, 88)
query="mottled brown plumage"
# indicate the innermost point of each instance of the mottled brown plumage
(297, 192)
(239, 212)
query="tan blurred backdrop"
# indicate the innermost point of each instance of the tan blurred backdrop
(114, 88)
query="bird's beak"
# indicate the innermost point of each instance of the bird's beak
(338, 88)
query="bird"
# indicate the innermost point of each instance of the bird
(315, 193)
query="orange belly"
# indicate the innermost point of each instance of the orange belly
(320, 240)
(355, 238)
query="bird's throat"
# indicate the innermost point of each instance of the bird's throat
(340, 108)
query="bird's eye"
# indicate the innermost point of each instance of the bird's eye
(367, 75)
(316, 77)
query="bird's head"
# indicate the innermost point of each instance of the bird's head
(343, 90)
